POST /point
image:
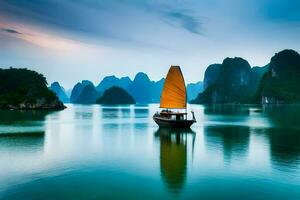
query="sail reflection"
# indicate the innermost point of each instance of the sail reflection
(173, 156)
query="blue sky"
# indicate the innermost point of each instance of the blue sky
(72, 40)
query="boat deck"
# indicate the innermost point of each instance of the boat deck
(169, 122)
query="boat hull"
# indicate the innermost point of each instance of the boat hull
(163, 122)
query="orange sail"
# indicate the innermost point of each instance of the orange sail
(174, 91)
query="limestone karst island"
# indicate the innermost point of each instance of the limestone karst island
(149, 99)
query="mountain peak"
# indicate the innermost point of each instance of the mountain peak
(125, 78)
(141, 76)
(55, 85)
(59, 91)
(110, 81)
(88, 95)
(285, 60)
(234, 65)
(86, 82)
(109, 77)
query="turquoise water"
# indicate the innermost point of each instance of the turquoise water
(94, 152)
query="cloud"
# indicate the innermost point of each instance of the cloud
(66, 14)
(38, 37)
(174, 13)
(188, 22)
(12, 31)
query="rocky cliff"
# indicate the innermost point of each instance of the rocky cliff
(77, 89)
(281, 83)
(60, 92)
(88, 95)
(227, 83)
(141, 88)
(193, 90)
(211, 75)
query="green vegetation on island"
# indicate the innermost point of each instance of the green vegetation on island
(281, 83)
(116, 95)
(226, 83)
(26, 89)
(235, 82)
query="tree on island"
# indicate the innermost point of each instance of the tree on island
(26, 89)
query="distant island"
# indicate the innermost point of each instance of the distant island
(60, 92)
(26, 89)
(110, 81)
(88, 95)
(229, 82)
(116, 95)
(235, 82)
(281, 83)
(141, 88)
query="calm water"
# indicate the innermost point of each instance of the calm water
(94, 152)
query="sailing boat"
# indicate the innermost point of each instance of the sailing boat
(173, 101)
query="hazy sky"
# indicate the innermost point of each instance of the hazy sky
(71, 40)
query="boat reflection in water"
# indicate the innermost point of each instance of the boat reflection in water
(173, 155)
